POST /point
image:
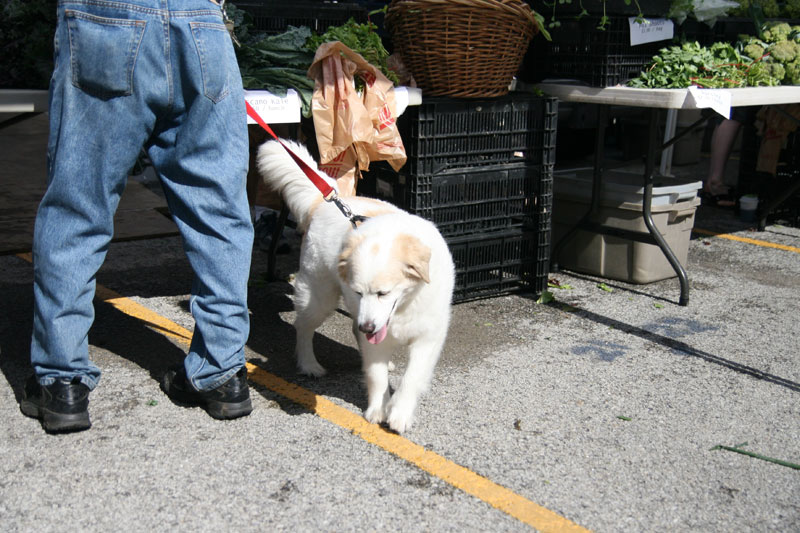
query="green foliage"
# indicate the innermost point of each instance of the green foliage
(26, 52)
(362, 39)
(759, 9)
(719, 66)
(602, 22)
(274, 63)
(278, 62)
(752, 62)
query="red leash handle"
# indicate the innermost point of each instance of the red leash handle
(327, 191)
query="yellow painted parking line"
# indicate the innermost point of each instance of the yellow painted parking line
(458, 476)
(757, 242)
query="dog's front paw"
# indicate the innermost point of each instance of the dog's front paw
(375, 414)
(401, 416)
(311, 368)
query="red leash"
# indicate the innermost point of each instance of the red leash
(328, 192)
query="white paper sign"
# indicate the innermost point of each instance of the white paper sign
(717, 99)
(650, 30)
(274, 109)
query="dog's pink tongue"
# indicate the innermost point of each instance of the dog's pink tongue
(378, 336)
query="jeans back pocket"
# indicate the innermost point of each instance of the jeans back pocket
(216, 54)
(103, 53)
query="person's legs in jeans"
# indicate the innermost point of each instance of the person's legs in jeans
(110, 92)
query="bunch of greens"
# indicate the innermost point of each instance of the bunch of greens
(360, 38)
(720, 65)
(279, 62)
(274, 63)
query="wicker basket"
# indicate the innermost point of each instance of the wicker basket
(461, 48)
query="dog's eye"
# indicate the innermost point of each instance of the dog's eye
(382, 293)
(358, 293)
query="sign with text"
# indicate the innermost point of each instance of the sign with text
(650, 30)
(717, 99)
(275, 109)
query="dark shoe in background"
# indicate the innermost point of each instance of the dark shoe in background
(62, 406)
(229, 400)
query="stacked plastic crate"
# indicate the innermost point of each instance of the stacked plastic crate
(482, 171)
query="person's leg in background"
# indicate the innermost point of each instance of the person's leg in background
(715, 192)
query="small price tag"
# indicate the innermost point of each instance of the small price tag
(650, 30)
(717, 99)
(275, 109)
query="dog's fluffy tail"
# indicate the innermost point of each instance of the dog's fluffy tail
(282, 174)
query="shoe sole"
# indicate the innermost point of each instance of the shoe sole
(229, 410)
(53, 422)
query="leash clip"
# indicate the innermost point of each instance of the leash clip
(345, 209)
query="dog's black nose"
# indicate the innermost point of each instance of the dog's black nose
(367, 327)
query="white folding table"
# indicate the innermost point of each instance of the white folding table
(656, 100)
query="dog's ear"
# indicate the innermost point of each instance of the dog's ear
(347, 251)
(417, 257)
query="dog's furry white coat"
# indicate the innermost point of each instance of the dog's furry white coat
(394, 271)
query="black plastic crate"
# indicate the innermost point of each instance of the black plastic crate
(275, 16)
(493, 264)
(469, 201)
(448, 133)
(580, 51)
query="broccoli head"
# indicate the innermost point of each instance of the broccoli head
(759, 74)
(771, 8)
(776, 31)
(792, 76)
(777, 71)
(754, 51)
(784, 51)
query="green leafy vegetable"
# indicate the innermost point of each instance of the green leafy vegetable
(362, 39)
(717, 66)
(279, 62)
(546, 298)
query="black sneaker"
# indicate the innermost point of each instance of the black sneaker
(62, 406)
(229, 400)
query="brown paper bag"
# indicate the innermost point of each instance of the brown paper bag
(352, 129)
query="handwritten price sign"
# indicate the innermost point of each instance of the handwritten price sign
(650, 30)
(717, 99)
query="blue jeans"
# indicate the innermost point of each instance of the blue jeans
(158, 74)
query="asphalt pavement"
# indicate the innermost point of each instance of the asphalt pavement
(603, 409)
(611, 408)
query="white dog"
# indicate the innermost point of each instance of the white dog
(394, 271)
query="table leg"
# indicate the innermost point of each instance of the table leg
(597, 177)
(652, 236)
(652, 147)
(273, 245)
